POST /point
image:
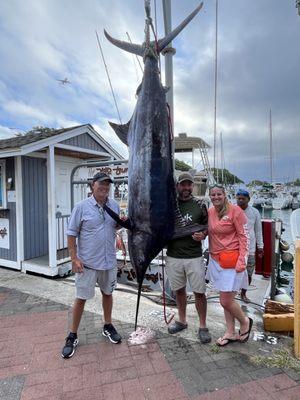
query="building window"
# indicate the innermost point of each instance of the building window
(2, 184)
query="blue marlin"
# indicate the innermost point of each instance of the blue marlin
(152, 206)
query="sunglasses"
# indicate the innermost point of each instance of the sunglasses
(216, 185)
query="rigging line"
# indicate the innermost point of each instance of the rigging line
(138, 60)
(215, 89)
(154, 30)
(155, 17)
(134, 63)
(107, 73)
(156, 46)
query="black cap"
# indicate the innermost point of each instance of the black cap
(185, 176)
(102, 176)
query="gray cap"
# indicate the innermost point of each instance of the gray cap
(185, 176)
(102, 176)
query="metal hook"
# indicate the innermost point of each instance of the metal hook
(148, 8)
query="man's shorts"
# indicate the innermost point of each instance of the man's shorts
(181, 270)
(85, 282)
(250, 264)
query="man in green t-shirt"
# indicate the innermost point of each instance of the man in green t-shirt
(185, 262)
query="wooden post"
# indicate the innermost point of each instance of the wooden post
(51, 207)
(297, 300)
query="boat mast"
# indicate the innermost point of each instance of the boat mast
(271, 147)
(215, 91)
(222, 158)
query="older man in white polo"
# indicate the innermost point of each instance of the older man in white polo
(91, 243)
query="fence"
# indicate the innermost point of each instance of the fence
(61, 237)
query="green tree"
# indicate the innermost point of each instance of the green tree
(256, 182)
(36, 130)
(228, 177)
(297, 182)
(181, 165)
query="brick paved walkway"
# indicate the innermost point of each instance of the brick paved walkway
(32, 333)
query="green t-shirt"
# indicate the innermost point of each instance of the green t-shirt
(187, 247)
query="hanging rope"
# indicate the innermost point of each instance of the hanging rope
(107, 73)
(154, 31)
(170, 123)
(155, 17)
(167, 321)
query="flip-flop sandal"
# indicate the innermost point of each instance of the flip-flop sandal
(245, 299)
(246, 333)
(176, 327)
(226, 340)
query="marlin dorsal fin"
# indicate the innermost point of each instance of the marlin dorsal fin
(121, 131)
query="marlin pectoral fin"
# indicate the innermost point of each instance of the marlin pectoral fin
(130, 47)
(187, 230)
(125, 224)
(162, 43)
(121, 131)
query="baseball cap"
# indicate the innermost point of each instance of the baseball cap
(243, 192)
(102, 176)
(186, 176)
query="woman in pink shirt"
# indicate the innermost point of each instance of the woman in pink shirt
(228, 248)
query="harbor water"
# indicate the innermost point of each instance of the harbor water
(285, 276)
(284, 216)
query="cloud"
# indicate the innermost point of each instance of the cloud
(258, 69)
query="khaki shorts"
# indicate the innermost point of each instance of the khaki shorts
(181, 270)
(250, 265)
(85, 282)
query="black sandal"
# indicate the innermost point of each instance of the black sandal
(228, 340)
(246, 333)
(176, 327)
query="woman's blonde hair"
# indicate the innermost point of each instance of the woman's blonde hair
(224, 210)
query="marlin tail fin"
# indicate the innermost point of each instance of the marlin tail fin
(162, 43)
(130, 47)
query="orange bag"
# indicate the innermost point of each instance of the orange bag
(228, 258)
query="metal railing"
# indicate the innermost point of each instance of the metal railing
(62, 251)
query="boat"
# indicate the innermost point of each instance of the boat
(295, 201)
(295, 224)
(267, 205)
(282, 201)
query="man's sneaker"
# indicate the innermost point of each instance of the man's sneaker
(110, 332)
(70, 346)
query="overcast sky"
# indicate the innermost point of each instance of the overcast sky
(259, 68)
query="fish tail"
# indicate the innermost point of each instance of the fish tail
(162, 43)
(129, 47)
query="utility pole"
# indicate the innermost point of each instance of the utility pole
(168, 52)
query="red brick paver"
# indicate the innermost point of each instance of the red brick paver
(273, 388)
(30, 346)
(3, 297)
